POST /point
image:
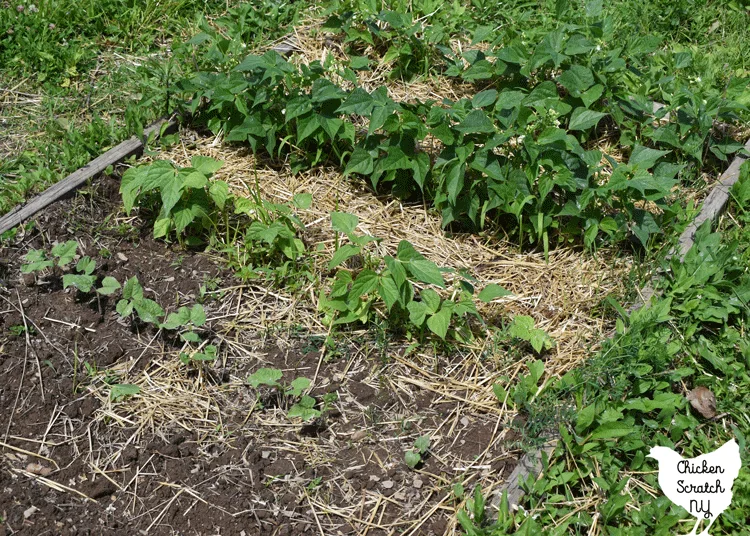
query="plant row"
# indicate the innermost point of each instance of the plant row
(520, 154)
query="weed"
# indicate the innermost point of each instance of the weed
(18, 329)
(630, 396)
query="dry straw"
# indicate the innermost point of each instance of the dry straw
(253, 322)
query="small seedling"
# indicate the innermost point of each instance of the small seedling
(121, 391)
(314, 483)
(17, 330)
(132, 299)
(189, 319)
(304, 408)
(208, 354)
(415, 456)
(83, 280)
(65, 253)
(522, 327)
(37, 260)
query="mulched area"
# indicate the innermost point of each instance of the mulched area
(199, 451)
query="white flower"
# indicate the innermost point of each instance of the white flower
(598, 48)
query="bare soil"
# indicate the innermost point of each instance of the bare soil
(72, 461)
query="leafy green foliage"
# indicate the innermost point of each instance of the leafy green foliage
(491, 292)
(260, 238)
(304, 405)
(187, 201)
(83, 280)
(110, 285)
(37, 261)
(208, 353)
(186, 320)
(630, 397)
(388, 285)
(708, 288)
(270, 247)
(522, 327)
(265, 376)
(133, 300)
(517, 155)
(304, 409)
(404, 39)
(63, 254)
(185, 317)
(121, 391)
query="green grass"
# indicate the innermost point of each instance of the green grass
(79, 77)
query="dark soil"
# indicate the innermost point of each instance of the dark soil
(66, 468)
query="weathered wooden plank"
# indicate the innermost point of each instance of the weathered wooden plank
(283, 46)
(714, 203)
(79, 177)
(529, 464)
(712, 207)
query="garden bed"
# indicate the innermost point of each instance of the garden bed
(198, 449)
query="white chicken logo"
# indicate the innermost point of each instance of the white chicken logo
(702, 485)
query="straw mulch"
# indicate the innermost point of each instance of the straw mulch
(255, 325)
(563, 293)
(425, 390)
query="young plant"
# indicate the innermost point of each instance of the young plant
(133, 300)
(208, 353)
(110, 285)
(84, 280)
(526, 388)
(37, 260)
(271, 247)
(415, 456)
(393, 288)
(304, 407)
(121, 391)
(522, 327)
(186, 320)
(188, 203)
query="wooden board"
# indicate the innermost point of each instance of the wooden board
(713, 206)
(79, 177)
